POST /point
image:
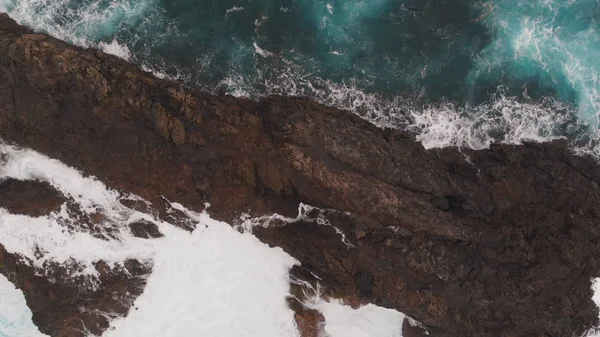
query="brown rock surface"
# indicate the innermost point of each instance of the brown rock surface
(409, 330)
(63, 307)
(501, 244)
(16, 196)
(310, 323)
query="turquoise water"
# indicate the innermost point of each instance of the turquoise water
(457, 72)
(551, 46)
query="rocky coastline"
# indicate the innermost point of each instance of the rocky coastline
(497, 242)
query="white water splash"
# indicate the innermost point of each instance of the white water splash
(214, 281)
(15, 316)
(114, 48)
(97, 18)
(258, 50)
(45, 239)
(369, 320)
(330, 8)
(595, 332)
(344, 321)
(503, 119)
(306, 213)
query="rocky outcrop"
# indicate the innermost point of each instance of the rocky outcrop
(499, 242)
(16, 196)
(62, 304)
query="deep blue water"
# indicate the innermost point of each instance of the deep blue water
(457, 72)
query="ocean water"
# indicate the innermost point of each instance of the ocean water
(456, 72)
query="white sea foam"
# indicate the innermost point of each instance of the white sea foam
(46, 239)
(502, 119)
(15, 316)
(260, 51)
(217, 280)
(551, 39)
(595, 332)
(212, 282)
(97, 19)
(114, 48)
(329, 8)
(233, 9)
(344, 321)
(25, 164)
(369, 320)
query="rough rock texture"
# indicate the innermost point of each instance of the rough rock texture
(500, 242)
(63, 305)
(145, 229)
(413, 331)
(310, 323)
(16, 196)
(66, 307)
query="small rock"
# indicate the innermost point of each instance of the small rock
(30, 197)
(145, 229)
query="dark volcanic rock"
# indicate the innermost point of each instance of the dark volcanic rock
(64, 307)
(145, 229)
(409, 330)
(502, 244)
(33, 198)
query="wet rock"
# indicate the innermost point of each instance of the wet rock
(176, 217)
(145, 229)
(29, 197)
(65, 307)
(413, 330)
(507, 248)
(96, 224)
(310, 323)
